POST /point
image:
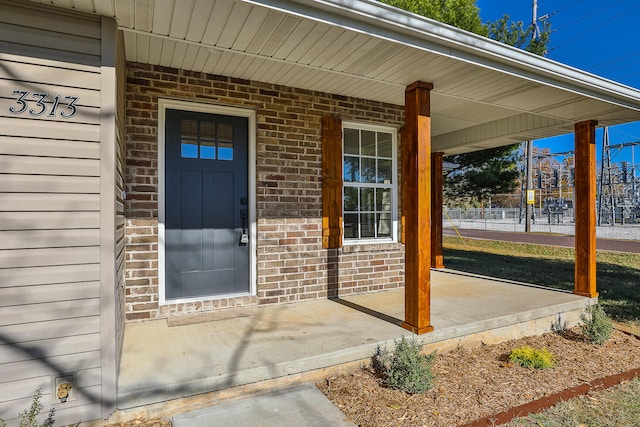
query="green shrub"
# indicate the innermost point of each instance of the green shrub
(529, 357)
(406, 368)
(597, 326)
(28, 417)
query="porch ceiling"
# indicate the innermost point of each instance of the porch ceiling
(485, 94)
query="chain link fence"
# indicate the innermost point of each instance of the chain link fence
(544, 221)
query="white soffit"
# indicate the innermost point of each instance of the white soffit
(485, 93)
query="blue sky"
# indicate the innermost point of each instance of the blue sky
(597, 36)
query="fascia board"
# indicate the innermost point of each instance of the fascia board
(383, 21)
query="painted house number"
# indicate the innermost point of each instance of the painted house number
(65, 107)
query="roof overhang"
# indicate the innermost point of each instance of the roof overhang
(486, 94)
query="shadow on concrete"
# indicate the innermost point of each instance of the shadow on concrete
(616, 283)
(369, 311)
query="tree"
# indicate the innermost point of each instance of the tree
(481, 174)
(463, 14)
(494, 171)
(516, 35)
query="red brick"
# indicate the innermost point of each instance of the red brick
(288, 193)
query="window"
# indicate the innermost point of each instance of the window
(369, 183)
(206, 140)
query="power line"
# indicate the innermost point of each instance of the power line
(597, 26)
(589, 15)
(568, 6)
(622, 134)
(630, 78)
(617, 59)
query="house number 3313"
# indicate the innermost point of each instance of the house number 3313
(37, 104)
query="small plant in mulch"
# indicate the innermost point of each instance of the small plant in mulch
(406, 368)
(529, 357)
(28, 417)
(597, 326)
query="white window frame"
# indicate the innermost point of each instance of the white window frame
(394, 188)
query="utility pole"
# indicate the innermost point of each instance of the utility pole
(534, 20)
(529, 145)
(529, 186)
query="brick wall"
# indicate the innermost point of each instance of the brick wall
(291, 263)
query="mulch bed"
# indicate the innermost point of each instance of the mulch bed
(479, 382)
(142, 422)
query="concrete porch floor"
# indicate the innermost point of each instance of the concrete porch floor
(171, 359)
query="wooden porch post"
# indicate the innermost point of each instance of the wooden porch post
(416, 199)
(437, 183)
(585, 188)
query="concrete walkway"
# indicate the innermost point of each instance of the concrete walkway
(290, 407)
(164, 361)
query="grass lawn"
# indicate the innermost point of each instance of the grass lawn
(617, 279)
(618, 282)
(617, 406)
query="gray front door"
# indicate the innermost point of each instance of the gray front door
(206, 209)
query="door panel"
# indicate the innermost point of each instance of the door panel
(206, 194)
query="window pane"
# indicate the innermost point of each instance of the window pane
(368, 143)
(189, 129)
(384, 224)
(351, 141)
(207, 140)
(383, 199)
(225, 141)
(189, 142)
(225, 132)
(350, 199)
(207, 130)
(225, 151)
(351, 169)
(189, 151)
(384, 172)
(367, 225)
(384, 145)
(366, 199)
(350, 226)
(207, 151)
(368, 172)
